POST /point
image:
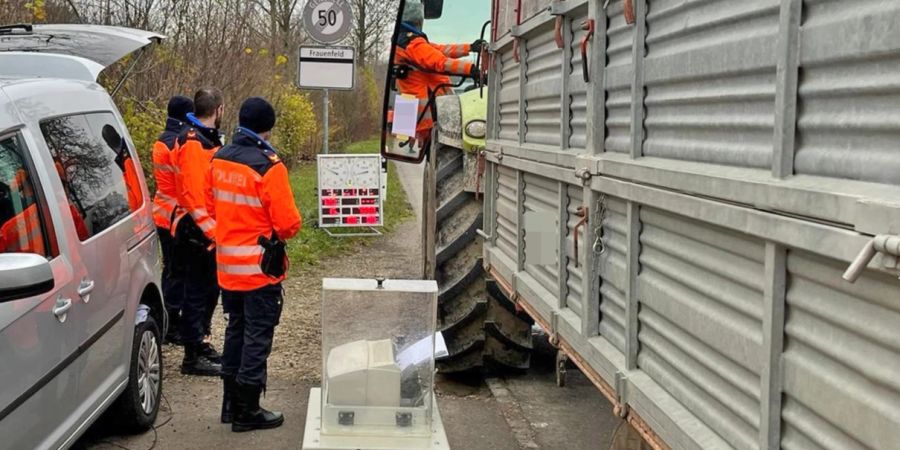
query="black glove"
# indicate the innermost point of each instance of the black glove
(478, 46)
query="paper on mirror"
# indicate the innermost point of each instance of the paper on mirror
(406, 116)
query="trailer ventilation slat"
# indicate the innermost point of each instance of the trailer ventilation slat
(849, 123)
(700, 289)
(573, 282)
(508, 97)
(542, 196)
(543, 84)
(841, 339)
(507, 216)
(612, 266)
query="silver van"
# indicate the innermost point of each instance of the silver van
(81, 314)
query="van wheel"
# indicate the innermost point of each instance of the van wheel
(137, 407)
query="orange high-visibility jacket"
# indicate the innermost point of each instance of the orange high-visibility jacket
(195, 149)
(164, 169)
(250, 196)
(430, 66)
(22, 233)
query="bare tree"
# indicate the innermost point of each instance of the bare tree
(373, 23)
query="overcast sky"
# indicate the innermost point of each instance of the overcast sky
(461, 22)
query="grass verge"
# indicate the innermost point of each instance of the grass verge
(313, 244)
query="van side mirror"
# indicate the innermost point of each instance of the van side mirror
(434, 9)
(24, 275)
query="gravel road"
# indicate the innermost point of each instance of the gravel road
(529, 412)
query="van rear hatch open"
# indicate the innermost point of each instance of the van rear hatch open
(67, 51)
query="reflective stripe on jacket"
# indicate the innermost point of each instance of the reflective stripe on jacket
(164, 173)
(195, 149)
(249, 195)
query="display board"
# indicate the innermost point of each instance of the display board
(350, 191)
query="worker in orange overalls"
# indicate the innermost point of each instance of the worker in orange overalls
(424, 68)
(164, 204)
(250, 197)
(194, 231)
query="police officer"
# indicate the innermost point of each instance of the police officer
(194, 231)
(250, 197)
(164, 203)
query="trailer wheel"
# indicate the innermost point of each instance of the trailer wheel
(480, 326)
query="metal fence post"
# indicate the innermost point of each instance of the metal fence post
(786, 80)
(631, 291)
(563, 230)
(325, 122)
(590, 286)
(637, 86)
(773, 345)
(596, 96)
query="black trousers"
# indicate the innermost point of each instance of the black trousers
(172, 281)
(201, 293)
(252, 318)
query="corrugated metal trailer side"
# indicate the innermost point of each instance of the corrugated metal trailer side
(733, 158)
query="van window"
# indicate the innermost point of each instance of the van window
(97, 170)
(22, 225)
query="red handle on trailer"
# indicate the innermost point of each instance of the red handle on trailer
(629, 12)
(588, 26)
(516, 39)
(560, 43)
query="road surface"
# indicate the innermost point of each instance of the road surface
(518, 411)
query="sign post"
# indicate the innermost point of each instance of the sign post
(325, 125)
(326, 68)
(327, 22)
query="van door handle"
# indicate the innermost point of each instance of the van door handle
(85, 289)
(61, 310)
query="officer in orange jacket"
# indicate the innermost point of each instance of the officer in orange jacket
(194, 231)
(424, 67)
(164, 204)
(250, 197)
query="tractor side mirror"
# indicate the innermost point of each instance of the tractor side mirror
(434, 9)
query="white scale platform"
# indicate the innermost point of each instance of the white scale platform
(313, 440)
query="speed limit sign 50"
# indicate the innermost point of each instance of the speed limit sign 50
(327, 21)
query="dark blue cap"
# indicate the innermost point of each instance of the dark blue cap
(179, 107)
(257, 115)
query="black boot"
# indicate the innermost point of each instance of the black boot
(248, 415)
(229, 392)
(207, 350)
(195, 363)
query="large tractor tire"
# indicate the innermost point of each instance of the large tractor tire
(480, 326)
